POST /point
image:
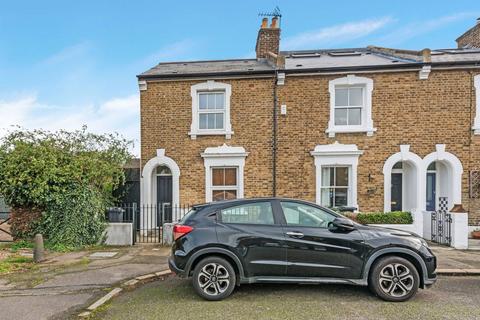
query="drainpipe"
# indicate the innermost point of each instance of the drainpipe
(274, 136)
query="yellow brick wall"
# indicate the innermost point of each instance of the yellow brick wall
(406, 110)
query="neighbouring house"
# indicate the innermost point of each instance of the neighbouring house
(374, 128)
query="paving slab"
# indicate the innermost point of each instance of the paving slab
(72, 281)
(449, 258)
(103, 255)
(41, 307)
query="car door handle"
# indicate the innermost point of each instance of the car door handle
(295, 234)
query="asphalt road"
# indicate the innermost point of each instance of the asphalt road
(173, 298)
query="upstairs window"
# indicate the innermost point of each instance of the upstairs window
(350, 105)
(211, 109)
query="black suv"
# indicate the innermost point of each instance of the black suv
(228, 243)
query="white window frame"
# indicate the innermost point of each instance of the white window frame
(210, 86)
(224, 187)
(366, 124)
(211, 111)
(476, 122)
(223, 156)
(322, 186)
(337, 155)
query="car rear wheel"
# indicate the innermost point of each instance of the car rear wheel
(394, 279)
(214, 278)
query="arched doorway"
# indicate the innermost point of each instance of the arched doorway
(161, 181)
(444, 178)
(403, 181)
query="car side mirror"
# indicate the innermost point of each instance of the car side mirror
(342, 225)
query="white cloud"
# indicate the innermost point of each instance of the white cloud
(120, 115)
(334, 34)
(415, 29)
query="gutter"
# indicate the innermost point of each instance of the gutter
(274, 136)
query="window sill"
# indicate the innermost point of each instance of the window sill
(194, 134)
(334, 130)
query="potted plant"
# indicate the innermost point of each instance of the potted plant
(476, 233)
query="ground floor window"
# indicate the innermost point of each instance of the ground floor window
(224, 183)
(335, 186)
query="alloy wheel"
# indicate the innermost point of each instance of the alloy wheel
(396, 280)
(213, 279)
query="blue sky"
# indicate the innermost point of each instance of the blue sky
(68, 63)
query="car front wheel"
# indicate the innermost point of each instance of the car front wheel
(394, 279)
(214, 278)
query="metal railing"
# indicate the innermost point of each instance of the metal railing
(148, 219)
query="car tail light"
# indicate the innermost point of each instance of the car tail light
(180, 230)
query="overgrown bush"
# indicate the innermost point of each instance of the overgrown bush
(82, 218)
(395, 217)
(61, 182)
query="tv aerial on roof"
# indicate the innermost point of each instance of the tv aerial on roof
(276, 13)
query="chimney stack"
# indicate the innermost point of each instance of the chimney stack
(268, 39)
(471, 38)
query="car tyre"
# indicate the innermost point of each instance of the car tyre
(214, 278)
(394, 279)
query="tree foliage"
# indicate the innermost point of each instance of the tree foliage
(68, 176)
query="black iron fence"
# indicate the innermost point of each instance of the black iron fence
(441, 227)
(148, 219)
(441, 223)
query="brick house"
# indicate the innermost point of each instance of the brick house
(373, 128)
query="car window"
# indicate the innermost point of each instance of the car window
(298, 214)
(251, 213)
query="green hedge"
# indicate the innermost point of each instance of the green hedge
(395, 217)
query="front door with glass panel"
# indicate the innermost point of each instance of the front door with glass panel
(224, 183)
(397, 191)
(335, 186)
(431, 186)
(164, 195)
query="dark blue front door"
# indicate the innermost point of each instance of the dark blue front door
(164, 199)
(396, 195)
(431, 190)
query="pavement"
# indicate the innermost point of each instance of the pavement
(456, 262)
(65, 284)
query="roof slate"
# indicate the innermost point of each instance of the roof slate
(207, 67)
(369, 57)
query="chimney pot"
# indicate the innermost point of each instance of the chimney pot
(274, 22)
(268, 39)
(264, 23)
